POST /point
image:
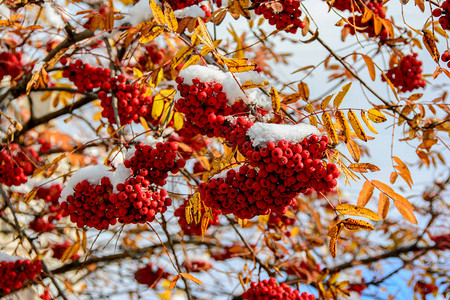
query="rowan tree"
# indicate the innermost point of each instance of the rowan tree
(208, 150)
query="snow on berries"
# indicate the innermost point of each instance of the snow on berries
(16, 163)
(14, 271)
(407, 75)
(270, 289)
(150, 275)
(281, 13)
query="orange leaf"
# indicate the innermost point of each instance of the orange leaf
(353, 148)
(334, 234)
(363, 167)
(383, 205)
(370, 65)
(346, 133)
(190, 277)
(352, 224)
(365, 194)
(329, 127)
(173, 281)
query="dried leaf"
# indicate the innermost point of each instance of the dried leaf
(158, 14)
(153, 34)
(30, 195)
(303, 91)
(353, 148)
(430, 43)
(275, 100)
(356, 125)
(370, 65)
(365, 194)
(169, 16)
(352, 224)
(329, 127)
(180, 56)
(353, 210)
(334, 234)
(325, 102)
(346, 133)
(404, 171)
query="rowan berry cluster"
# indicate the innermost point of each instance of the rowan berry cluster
(14, 274)
(195, 143)
(296, 166)
(279, 220)
(154, 164)
(90, 205)
(150, 275)
(44, 146)
(11, 64)
(357, 25)
(53, 210)
(281, 13)
(407, 75)
(445, 57)
(205, 107)
(443, 15)
(59, 249)
(196, 265)
(84, 76)
(270, 289)
(193, 228)
(135, 205)
(16, 163)
(131, 100)
(153, 56)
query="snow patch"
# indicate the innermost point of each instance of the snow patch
(120, 175)
(140, 13)
(262, 133)
(52, 16)
(9, 258)
(193, 11)
(93, 174)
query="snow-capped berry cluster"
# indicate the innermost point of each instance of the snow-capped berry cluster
(193, 228)
(270, 289)
(205, 106)
(443, 14)
(90, 205)
(132, 102)
(53, 211)
(84, 76)
(281, 13)
(14, 273)
(11, 64)
(150, 276)
(136, 204)
(154, 164)
(59, 249)
(16, 163)
(196, 265)
(407, 75)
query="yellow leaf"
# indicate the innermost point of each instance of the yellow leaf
(383, 205)
(354, 150)
(292, 98)
(178, 120)
(153, 34)
(376, 116)
(346, 133)
(353, 210)
(325, 102)
(251, 85)
(158, 15)
(137, 73)
(329, 127)
(313, 120)
(275, 100)
(30, 195)
(340, 96)
(173, 281)
(415, 97)
(365, 194)
(356, 125)
(352, 224)
(169, 16)
(368, 14)
(370, 65)
(334, 234)
(367, 122)
(157, 108)
(203, 33)
(190, 277)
